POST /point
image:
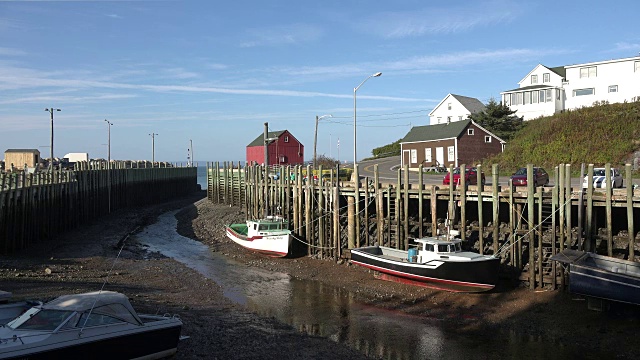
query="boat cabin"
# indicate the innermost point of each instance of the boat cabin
(271, 225)
(439, 248)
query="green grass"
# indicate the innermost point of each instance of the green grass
(604, 133)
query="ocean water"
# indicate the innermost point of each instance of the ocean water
(202, 177)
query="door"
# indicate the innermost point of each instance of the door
(405, 158)
(440, 156)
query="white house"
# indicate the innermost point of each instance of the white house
(545, 91)
(454, 108)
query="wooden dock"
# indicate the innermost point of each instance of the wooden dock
(525, 226)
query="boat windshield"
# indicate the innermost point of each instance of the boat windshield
(272, 226)
(453, 247)
(39, 319)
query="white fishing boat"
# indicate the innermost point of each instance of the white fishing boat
(96, 325)
(270, 236)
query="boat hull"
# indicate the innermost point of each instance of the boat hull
(610, 279)
(272, 245)
(144, 343)
(455, 276)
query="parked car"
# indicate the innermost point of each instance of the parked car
(540, 177)
(470, 176)
(600, 176)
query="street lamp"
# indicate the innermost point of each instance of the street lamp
(153, 148)
(108, 141)
(315, 139)
(354, 115)
(51, 110)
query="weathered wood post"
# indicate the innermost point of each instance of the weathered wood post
(336, 216)
(530, 220)
(420, 201)
(540, 230)
(379, 205)
(463, 204)
(609, 194)
(589, 246)
(351, 225)
(496, 208)
(433, 202)
(321, 222)
(405, 210)
(630, 227)
(450, 203)
(479, 187)
(569, 201)
(356, 194)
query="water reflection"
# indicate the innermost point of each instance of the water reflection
(321, 310)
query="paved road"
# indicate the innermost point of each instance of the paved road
(388, 172)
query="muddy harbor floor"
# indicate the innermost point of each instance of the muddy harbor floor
(80, 261)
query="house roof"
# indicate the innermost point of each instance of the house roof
(34, 151)
(442, 131)
(436, 132)
(560, 70)
(530, 87)
(259, 141)
(472, 104)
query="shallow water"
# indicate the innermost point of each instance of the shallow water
(322, 310)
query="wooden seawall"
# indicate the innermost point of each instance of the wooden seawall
(37, 207)
(524, 225)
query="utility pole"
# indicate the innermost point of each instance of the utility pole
(153, 149)
(51, 110)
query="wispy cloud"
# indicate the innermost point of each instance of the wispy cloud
(180, 73)
(11, 52)
(282, 35)
(625, 46)
(215, 66)
(114, 16)
(67, 99)
(434, 20)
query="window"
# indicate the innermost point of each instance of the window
(459, 118)
(513, 99)
(487, 139)
(588, 72)
(527, 97)
(534, 79)
(613, 88)
(469, 131)
(286, 139)
(507, 100)
(542, 96)
(519, 98)
(546, 77)
(534, 97)
(414, 156)
(451, 153)
(427, 155)
(557, 94)
(582, 92)
(548, 94)
(439, 120)
(637, 66)
(449, 106)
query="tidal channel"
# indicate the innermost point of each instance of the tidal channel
(321, 310)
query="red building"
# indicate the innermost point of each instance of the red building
(285, 150)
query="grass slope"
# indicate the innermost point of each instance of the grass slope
(604, 133)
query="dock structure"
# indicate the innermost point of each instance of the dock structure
(37, 207)
(524, 226)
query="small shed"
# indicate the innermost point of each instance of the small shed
(284, 149)
(20, 157)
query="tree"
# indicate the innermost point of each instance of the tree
(392, 149)
(326, 162)
(499, 119)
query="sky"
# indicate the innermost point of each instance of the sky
(207, 75)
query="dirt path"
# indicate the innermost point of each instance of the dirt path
(80, 261)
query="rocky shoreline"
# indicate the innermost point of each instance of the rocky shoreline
(219, 329)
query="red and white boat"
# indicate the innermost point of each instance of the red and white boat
(269, 236)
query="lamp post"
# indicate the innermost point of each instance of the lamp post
(51, 110)
(153, 149)
(315, 139)
(355, 89)
(109, 162)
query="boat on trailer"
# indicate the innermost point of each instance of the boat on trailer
(269, 236)
(435, 262)
(601, 276)
(96, 325)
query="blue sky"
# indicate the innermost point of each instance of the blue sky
(214, 71)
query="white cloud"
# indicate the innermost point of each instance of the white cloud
(282, 35)
(625, 46)
(180, 73)
(114, 16)
(441, 20)
(11, 52)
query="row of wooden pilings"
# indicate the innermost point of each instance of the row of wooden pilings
(37, 207)
(525, 226)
